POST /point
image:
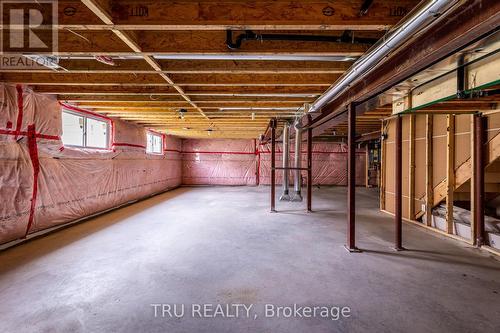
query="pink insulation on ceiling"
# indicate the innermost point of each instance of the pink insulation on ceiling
(44, 184)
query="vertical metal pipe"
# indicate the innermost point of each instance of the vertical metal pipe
(479, 178)
(297, 179)
(367, 165)
(256, 152)
(398, 217)
(383, 166)
(429, 188)
(273, 165)
(351, 178)
(286, 156)
(309, 169)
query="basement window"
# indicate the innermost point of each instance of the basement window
(84, 130)
(154, 143)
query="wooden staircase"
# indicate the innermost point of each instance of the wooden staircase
(463, 174)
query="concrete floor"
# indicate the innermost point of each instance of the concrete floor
(221, 245)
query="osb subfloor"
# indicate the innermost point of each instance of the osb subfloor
(221, 245)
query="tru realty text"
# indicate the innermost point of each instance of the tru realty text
(209, 310)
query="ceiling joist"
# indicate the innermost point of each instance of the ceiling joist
(172, 55)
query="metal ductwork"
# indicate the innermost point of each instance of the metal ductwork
(297, 181)
(416, 21)
(286, 156)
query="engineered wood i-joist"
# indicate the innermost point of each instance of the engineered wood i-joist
(148, 35)
(243, 15)
(96, 7)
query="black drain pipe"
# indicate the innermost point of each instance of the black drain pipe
(346, 37)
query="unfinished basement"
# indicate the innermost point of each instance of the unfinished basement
(250, 166)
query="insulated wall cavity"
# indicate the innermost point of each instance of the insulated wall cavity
(329, 164)
(241, 162)
(218, 162)
(44, 184)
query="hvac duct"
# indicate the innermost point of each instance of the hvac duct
(286, 154)
(297, 181)
(417, 20)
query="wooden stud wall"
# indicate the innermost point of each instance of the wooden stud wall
(447, 140)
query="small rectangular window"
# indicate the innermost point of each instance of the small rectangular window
(97, 133)
(82, 130)
(154, 143)
(72, 129)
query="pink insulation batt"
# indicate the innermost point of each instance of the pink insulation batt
(242, 162)
(218, 162)
(71, 183)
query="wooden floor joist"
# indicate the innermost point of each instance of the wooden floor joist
(96, 8)
(242, 15)
(180, 52)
